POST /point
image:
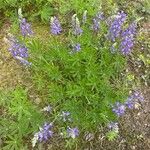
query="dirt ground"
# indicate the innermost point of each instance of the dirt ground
(11, 73)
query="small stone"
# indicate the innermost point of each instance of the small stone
(37, 100)
(139, 114)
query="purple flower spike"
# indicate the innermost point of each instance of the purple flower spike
(18, 49)
(130, 31)
(25, 28)
(96, 24)
(45, 133)
(96, 21)
(100, 15)
(128, 39)
(119, 109)
(65, 116)
(130, 102)
(113, 126)
(77, 47)
(73, 132)
(76, 25)
(133, 99)
(116, 26)
(23, 61)
(55, 26)
(138, 96)
(19, 52)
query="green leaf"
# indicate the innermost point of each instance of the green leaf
(112, 135)
(45, 13)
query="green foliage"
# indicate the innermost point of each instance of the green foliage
(31, 8)
(85, 83)
(112, 135)
(43, 9)
(79, 6)
(22, 119)
(146, 6)
(45, 13)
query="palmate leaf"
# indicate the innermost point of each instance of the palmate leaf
(112, 135)
(22, 109)
(4, 98)
(13, 143)
(46, 12)
(19, 107)
(10, 3)
(8, 127)
(23, 119)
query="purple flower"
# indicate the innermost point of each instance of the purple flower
(65, 116)
(96, 21)
(45, 133)
(130, 31)
(116, 26)
(119, 109)
(100, 15)
(55, 26)
(138, 96)
(126, 45)
(23, 61)
(96, 24)
(77, 47)
(19, 52)
(25, 28)
(47, 108)
(73, 132)
(113, 126)
(76, 25)
(128, 39)
(18, 49)
(134, 98)
(130, 102)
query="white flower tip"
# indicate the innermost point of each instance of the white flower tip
(20, 13)
(75, 15)
(34, 140)
(85, 13)
(52, 19)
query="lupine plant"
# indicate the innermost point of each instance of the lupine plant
(82, 78)
(77, 75)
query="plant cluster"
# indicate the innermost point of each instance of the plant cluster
(21, 119)
(77, 73)
(42, 9)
